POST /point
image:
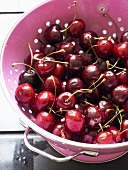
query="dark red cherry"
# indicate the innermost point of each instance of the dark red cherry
(124, 36)
(60, 130)
(59, 71)
(68, 48)
(87, 135)
(104, 137)
(80, 107)
(120, 51)
(29, 77)
(110, 82)
(47, 49)
(87, 39)
(124, 129)
(45, 67)
(45, 120)
(122, 77)
(119, 94)
(74, 121)
(52, 84)
(53, 34)
(126, 108)
(25, 93)
(118, 135)
(93, 116)
(88, 57)
(44, 100)
(91, 73)
(65, 101)
(108, 108)
(104, 48)
(76, 28)
(75, 84)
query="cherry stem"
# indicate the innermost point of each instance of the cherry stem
(73, 5)
(14, 64)
(108, 16)
(108, 64)
(89, 103)
(31, 55)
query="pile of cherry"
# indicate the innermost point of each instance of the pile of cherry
(77, 86)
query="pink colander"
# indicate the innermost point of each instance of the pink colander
(15, 49)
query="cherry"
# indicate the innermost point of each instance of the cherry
(60, 130)
(124, 36)
(59, 71)
(45, 67)
(65, 101)
(25, 93)
(88, 57)
(74, 121)
(120, 51)
(53, 34)
(104, 48)
(52, 84)
(118, 135)
(44, 100)
(79, 107)
(124, 129)
(91, 73)
(45, 120)
(104, 137)
(68, 48)
(87, 39)
(110, 82)
(126, 108)
(76, 28)
(93, 116)
(63, 89)
(108, 108)
(47, 49)
(29, 77)
(122, 77)
(87, 135)
(75, 84)
(119, 94)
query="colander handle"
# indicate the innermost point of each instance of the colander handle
(67, 158)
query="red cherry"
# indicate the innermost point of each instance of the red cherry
(45, 120)
(124, 37)
(44, 100)
(120, 51)
(74, 121)
(59, 71)
(105, 137)
(122, 77)
(124, 129)
(25, 93)
(77, 28)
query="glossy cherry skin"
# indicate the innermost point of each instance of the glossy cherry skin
(47, 49)
(87, 135)
(29, 77)
(93, 116)
(126, 108)
(74, 121)
(25, 93)
(45, 120)
(75, 84)
(45, 67)
(59, 71)
(52, 84)
(119, 94)
(118, 135)
(87, 39)
(104, 137)
(65, 101)
(60, 130)
(88, 57)
(44, 100)
(76, 28)
(124, 129)
(104, 48)
(110, 82)
(53, 34)
(108, 108)
(68, 48)
(122, 77)
(120, 51)
(124, 37)
(91, 73)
